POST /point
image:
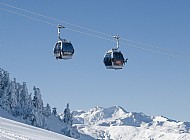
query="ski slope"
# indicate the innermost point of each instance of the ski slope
(12, 130)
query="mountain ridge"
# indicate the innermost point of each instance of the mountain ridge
(100, 122)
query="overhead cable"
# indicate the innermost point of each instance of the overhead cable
(161, 51)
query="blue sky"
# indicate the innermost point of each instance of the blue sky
(151, 83)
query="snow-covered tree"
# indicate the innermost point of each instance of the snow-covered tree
(5, 78)
(22, 107)
(38, 116)
(5, 104)
(4, 83)
(23, 95)
(29, 111)
(68, 118)
(12, 94)
(47, 110)
(37, 100)
(1, 83)
(54, 112)
(69, 130)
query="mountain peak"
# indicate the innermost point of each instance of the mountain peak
(114, 115)
(114, 121)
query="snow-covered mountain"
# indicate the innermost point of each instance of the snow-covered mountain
(116, 123)
(12, 130)
(112, 116)
(112, 123)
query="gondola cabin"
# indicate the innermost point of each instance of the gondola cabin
(114, 59)
(63, 50)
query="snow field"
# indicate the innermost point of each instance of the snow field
(12, 130)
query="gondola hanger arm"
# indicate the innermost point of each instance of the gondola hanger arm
(117, 39)
(59, 27)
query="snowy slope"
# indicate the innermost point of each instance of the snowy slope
(53, 123)
(12, 130)
(116, 123)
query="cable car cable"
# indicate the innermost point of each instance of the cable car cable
(132, 41)
(155, 47)
(16, 13)
(154, 51)
(27, 16)
(44, 16)
(134, 46)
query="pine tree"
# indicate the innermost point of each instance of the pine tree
(18, 109)
(5, 100)
(68, 120)
(24, 95)
(1, 83)
(39, 118)
(37, 100)
(47, 110)
(69, 130)
(54, 112)
(12, 91)
(4, 84)
(5, 79)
